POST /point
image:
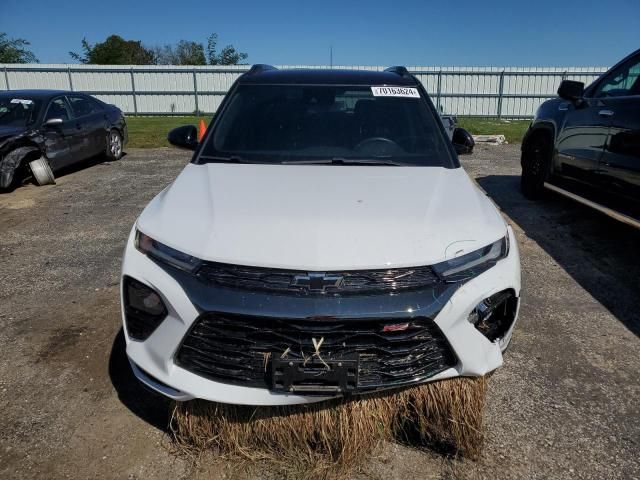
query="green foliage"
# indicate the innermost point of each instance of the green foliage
(183, 53)
(115, 50)
(12, 50)
(227, 56)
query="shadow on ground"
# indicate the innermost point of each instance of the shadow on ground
(149, 406)
(84, 164)
(68, 170)
(600, 253)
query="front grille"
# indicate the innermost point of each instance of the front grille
(236, 349)
(349, 282)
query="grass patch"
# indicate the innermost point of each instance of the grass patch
(513, 130)
(329, 439)
(151, 132)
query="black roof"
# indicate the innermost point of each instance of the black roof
(42, 94)
(264, 74)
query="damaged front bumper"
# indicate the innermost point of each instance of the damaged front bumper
(12, 154)
(404, 338)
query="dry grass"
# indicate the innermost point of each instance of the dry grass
(327, 439)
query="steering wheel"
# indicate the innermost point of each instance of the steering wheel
(378, 146)
(369, 141)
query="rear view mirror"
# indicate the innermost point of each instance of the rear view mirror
(462, 141)
(571, 90)
(184, 137)
(53, 122)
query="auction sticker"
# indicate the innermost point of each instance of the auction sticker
(408, 92)
(22, 101)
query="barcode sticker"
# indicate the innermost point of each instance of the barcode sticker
(407, 92)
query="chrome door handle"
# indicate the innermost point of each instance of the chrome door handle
(605, 113)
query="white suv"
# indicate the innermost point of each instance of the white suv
(323, 241)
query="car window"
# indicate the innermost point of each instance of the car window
(83, 105)
(18, 111)
(622, 82)
(291, 123)
(58, 109)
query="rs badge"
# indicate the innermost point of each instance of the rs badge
(395, 327)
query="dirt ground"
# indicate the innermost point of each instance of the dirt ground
(566, 404)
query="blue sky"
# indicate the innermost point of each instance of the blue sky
(410, 32)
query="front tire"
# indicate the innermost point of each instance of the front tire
(536, 165)
(41, 171)
(114, 145)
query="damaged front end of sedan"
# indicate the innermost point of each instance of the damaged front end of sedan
(17, 152)
(23, 141)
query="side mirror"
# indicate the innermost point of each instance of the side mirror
(184, 137)
(53, 122)
(462, 141)
(449, 122)
(571, 90)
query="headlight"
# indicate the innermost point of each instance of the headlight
(165, 254)
(474, 263)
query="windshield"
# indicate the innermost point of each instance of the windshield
(328, 123)
(16, 111)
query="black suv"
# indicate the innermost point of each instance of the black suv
(586, 144)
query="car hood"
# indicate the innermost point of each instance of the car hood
(322, 217)
(10, 131)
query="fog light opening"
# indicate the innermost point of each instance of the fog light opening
(494, 315)
(143, 307)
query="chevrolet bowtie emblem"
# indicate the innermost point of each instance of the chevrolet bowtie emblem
(317, 281)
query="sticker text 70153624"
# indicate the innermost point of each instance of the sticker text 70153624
(407, 92)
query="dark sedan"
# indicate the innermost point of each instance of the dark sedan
(43, 131)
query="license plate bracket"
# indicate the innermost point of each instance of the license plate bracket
(313, 376)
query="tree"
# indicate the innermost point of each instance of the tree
(115, 50)
(227, 56)
(12, 50)
(164, 55)
(184, 53)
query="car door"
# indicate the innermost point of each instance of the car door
(92, 120)
(619, 93)
(62, 139)
(581, 139)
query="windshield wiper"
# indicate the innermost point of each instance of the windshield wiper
(229, 159)
(346, 161)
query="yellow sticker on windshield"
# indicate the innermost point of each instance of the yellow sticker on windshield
(407, 92)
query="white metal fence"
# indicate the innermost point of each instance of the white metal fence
(509, 92)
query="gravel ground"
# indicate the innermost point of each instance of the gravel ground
(565, 404)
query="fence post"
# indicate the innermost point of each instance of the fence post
(70, 81)
(195, 90)
(6, 78)
(500, 92)
(439, 91)
(133, 90)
